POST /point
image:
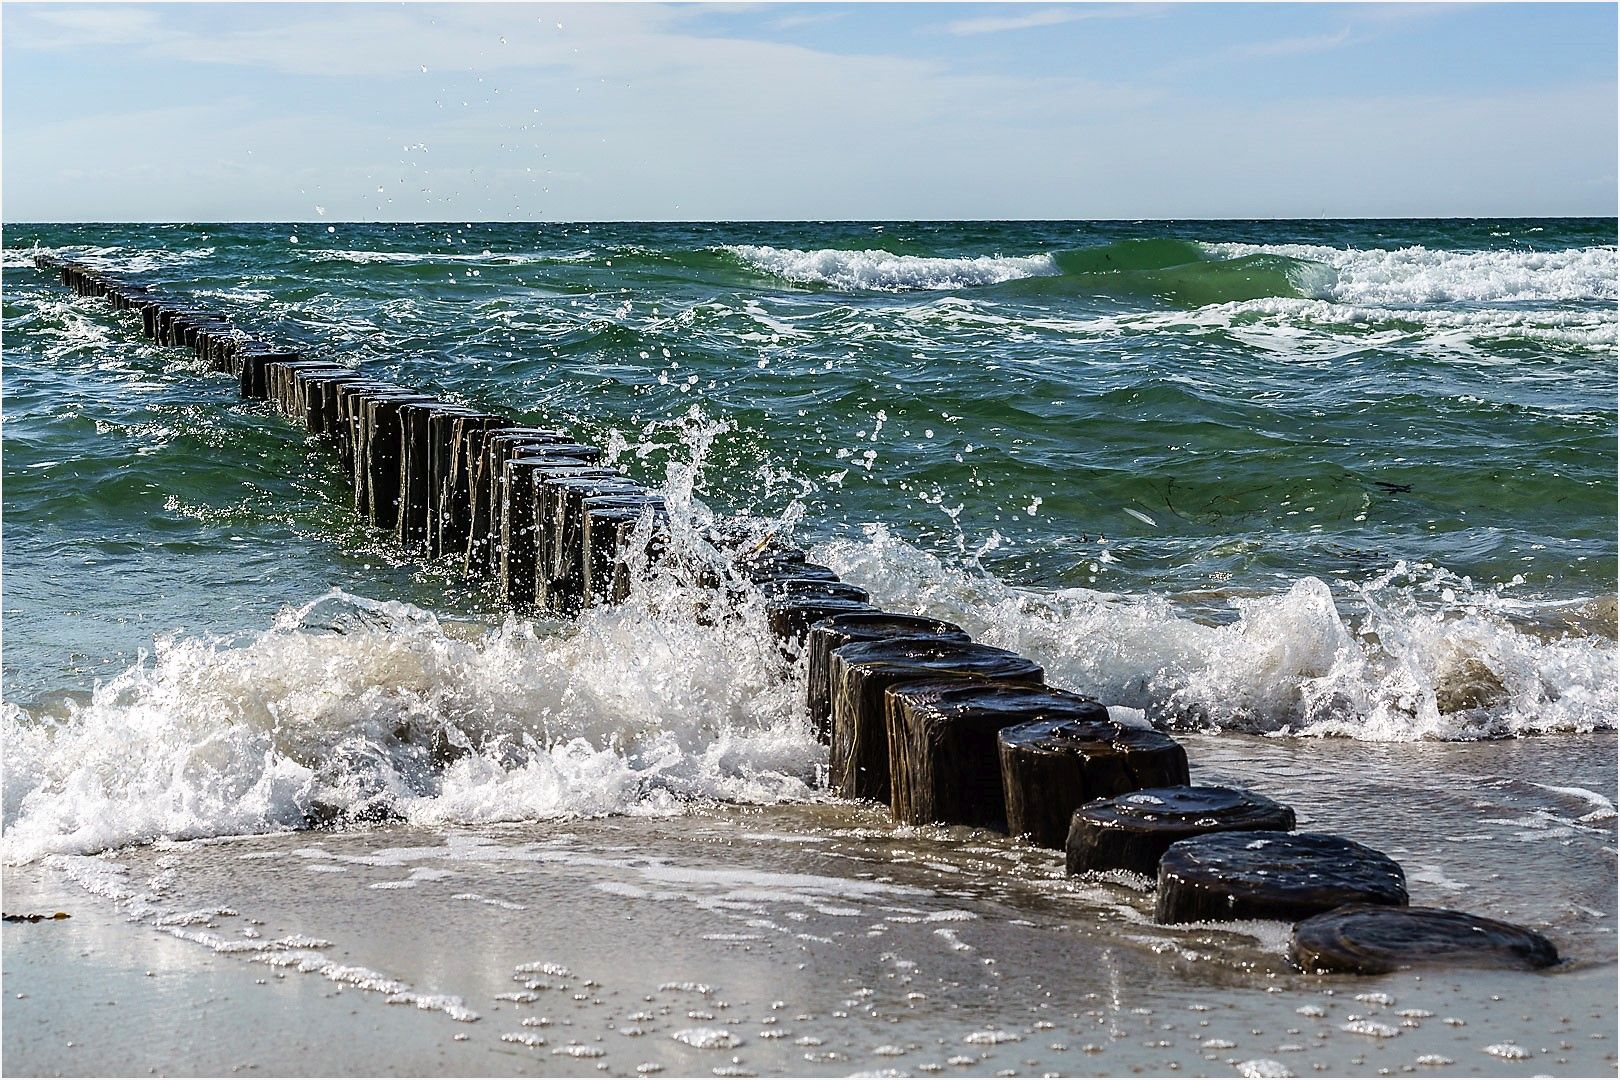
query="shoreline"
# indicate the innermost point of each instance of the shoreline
(818, 923)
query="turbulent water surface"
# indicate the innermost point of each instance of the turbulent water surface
(1299, 480)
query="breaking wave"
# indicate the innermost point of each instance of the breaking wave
(349, 709)
(410, 257)
(125, 260)
(1196, 273)
(1420, 275)
(1412, 654)
(883, 270)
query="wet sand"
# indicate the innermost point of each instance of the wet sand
(803, 940)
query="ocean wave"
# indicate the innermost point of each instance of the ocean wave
(1420, 275)
(878, 270)
(505, 258)
(125, 260)
(1198, 274)
(348, 707)
(1277, 323)
(1292, 326)
(1411, 654)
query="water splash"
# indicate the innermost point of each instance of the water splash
(1413, 653)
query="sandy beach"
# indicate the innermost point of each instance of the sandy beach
(794, 940)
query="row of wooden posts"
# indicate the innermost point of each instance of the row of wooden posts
(942, 729)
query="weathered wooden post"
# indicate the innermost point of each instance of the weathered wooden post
(214, 344)
(601, 554)
(843, 630)
(350, 427)
(1133, 831)
(317, 394)
(484, 490)
(253, 360)
(285, 390)
(1376, 939)
(522, 523)
(944, 763)
(809, 588)
(560, 512)
(381, 441)
(416, 493)
(1050, 768)
(151, 309)
(185, 328)
(791, 616)
(484, 547)
(861, 673)
(1221, 877)
(456, 440)
(614, 527)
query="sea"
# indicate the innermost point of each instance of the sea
(1333, 501)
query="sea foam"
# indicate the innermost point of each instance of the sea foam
(347, 708)
(350, 707)
(1419, 275)
(885, 271)
(1381, 660)
(1366, 277)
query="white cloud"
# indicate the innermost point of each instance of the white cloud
(1294, 46)
(77, 26)
(1044, 16)
(637, 112)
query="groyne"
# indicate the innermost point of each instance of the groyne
(915, 715)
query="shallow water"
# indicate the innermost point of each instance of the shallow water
(767, 941)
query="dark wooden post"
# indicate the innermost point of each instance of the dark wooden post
(1286, 876)
(1133, 831)
(943, 761)
(1052, 767)
(382, 452)
(456, 441)
(844, 630)
(862, 672)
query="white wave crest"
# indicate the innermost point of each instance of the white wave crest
(1294, 326)
(483, 258)
(1293, 663)
(1301, 327)
(885, 271)
(348, 703)
(1420, 275)
(126, 260)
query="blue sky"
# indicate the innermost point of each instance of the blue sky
(200, 112)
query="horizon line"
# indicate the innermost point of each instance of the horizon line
(1615, 216)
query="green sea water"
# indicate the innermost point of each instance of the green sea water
(1328, 477)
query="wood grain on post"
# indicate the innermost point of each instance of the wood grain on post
(522, 522)
(560, 505)
(456, 440)
(602, 540)
(861, 673)
(1221, 877)
(484, 486)
(944, 760)
(382, 444)
(1050, 768)
(841, 630)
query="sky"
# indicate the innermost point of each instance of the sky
(437, 112)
